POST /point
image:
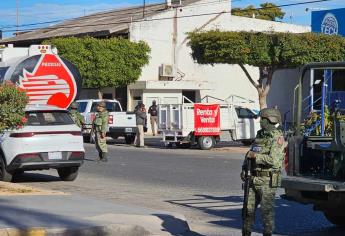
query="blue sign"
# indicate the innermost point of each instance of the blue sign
(329, 21)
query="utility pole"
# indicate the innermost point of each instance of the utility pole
(17, 6)
(144, 5)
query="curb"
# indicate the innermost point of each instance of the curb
(111, 229)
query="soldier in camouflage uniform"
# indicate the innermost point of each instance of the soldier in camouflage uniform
(100, 126)
(76, 116)
(266, 155)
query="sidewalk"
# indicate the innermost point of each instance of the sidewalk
(62, 214)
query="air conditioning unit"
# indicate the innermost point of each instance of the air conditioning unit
(166, 71)
(174, 3)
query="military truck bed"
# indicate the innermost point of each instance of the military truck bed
(312, 184)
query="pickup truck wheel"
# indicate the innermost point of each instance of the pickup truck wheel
(334, 218)
(129, 139)
(4, 175)
(68, 173)
(86, 139)
(206, 142)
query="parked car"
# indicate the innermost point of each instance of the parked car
(121, 123)
(49, 139)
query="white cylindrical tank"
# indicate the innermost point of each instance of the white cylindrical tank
(38, 70)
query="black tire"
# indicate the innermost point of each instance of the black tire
(129, 139)
(68, 173)
(338, 220)
(86, 139)
(4, 175)
(206, 142)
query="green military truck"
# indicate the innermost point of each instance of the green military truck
(315, 161)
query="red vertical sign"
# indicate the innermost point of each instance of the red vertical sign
(206, 119)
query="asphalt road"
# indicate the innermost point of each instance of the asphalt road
(202, 185)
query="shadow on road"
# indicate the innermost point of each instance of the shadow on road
(155, 142)
(35, 177)
(291, 218)
(175, 225)
(22, 218)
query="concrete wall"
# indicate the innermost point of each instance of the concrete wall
(282, 91)
(224, 80)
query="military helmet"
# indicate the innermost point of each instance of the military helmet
(74, 105)
(101, 104)
(272, 114)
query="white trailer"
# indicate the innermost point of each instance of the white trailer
(176, 123)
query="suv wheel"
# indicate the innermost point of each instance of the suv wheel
(68, 173)
(4, 175)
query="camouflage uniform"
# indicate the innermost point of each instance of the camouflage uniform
(268, 155)
(100, 125)
(76, 116)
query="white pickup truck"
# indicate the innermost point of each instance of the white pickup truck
(121, 123)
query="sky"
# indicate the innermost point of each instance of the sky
(53, 11)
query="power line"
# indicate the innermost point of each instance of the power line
(113, 13)
(168, 18)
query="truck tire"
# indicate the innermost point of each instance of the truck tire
(86, 139)
(4, 175)
(68, 173)
(129, 139)
(206, 142)
(338, 220)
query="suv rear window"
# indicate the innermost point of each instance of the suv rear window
(111, 106)
(82, 107)
(39, 118)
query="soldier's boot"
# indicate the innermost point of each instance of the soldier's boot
(246, 233)
(104, 157)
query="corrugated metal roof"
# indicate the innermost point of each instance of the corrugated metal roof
(98, 24)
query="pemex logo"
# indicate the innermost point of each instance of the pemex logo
(50, 82)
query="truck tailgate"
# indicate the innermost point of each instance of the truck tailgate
(312, 184)
(123, 119)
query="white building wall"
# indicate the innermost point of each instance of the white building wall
(225, 80)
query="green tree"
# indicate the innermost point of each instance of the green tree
(268, 51)
(114, 62)
(12, 103)
(267, 11)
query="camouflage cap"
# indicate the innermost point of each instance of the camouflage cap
(272, 114)
(74, 105)
(101, 104)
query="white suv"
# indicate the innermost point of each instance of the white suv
(49, 139)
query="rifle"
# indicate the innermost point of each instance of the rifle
(246, 186)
